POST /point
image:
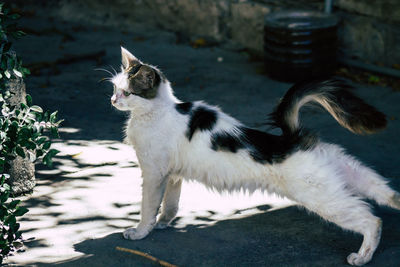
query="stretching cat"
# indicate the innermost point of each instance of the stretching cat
(175, 140)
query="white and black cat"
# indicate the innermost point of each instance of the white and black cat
(177, 140)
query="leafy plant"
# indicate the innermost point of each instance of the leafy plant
(23, 133)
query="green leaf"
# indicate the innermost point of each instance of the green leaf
(46, 116)
(30, 145)
(25, 133)
(8, 75)
(20, 211)
(31, 116)
(5, 250)
(12, 131)
(5, 125)
(28, 100)
(6, 187)
(13, 204)
(47, 145)
(58, 123)
(25, 71)
(53, 117)
(41, 140)
(4, 195)
(54, 132)
(20, 151)
(11, 62)
(10, 220)
(17, 73)
(18, 244)
(18, 235)
(37, 109)
(39, 153)
(23, 106)
(48, 157)
(38, 116)
(15, 227)
(3, 214)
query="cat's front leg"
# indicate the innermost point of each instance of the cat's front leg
(152, 193)
(170, 203)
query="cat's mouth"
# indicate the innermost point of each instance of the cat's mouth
(119, 106)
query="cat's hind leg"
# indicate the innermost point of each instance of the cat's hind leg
(353, 214)
(170, 203)
(328, 197)
(367, 183)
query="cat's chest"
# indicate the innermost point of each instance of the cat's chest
(142, 137)
(150, 137)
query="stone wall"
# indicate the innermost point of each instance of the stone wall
(386, 10)
(369, 31)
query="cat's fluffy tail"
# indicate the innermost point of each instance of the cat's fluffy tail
(334, 95)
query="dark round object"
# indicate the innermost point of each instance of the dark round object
(300, 44)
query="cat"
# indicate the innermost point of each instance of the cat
(177, 140)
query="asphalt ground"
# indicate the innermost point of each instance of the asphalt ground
(81, 206)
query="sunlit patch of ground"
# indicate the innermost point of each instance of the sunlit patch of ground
(94, 190)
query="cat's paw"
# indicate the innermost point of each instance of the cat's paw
(161, 225)
(135, 234)
(357, 259)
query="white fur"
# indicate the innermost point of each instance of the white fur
(324, 179)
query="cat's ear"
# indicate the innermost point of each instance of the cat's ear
(147, 77)
(128, 59)
(145, 82)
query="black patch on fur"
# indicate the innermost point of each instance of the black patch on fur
(144, 81)
(133, 69)
(201, 119)
(263, 147)
(184, 108)
(226, 142)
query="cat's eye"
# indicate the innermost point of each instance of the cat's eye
(126, 93)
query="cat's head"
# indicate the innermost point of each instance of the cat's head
(136, 85)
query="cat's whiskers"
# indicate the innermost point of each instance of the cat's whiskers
(107, 79)
(109, 72)
(115, 72)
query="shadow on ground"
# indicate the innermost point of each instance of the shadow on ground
(284, 237)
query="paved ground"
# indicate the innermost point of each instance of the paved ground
(81, 206)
